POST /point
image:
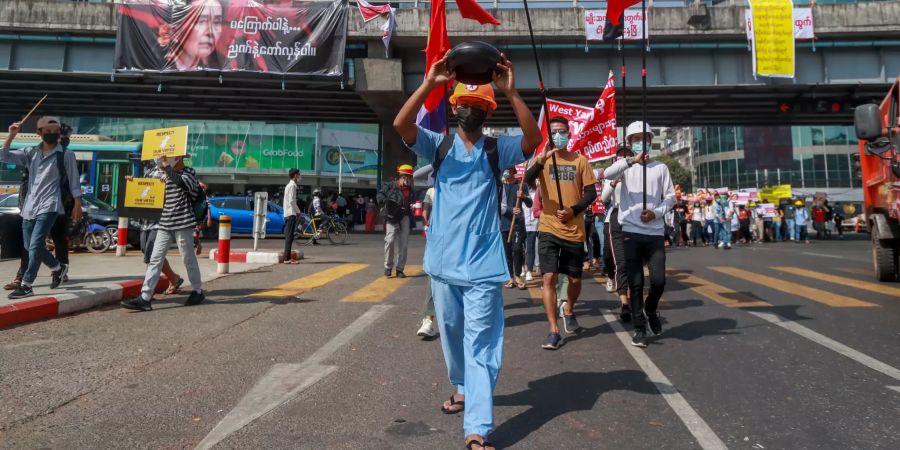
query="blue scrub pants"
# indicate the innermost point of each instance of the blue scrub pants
(470, 320)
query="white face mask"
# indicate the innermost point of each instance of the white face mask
(637, 147)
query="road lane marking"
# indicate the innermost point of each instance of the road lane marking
(381, 288)
(829, 343)
(849, 282)
(705, 436)
(816, 295)
(857, 271)
(309, 282)
(720, 294)
(894, 388)
(813, 336)
(284, 382)
(823, 255)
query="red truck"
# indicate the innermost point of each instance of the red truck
(878, 130)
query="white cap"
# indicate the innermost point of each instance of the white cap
(637, 128)
(47, 120)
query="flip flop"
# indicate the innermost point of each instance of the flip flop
(173, 287)
(521, 286)
(483, 444)
(453, 403)
(509, 284)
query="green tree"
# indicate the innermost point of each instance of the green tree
(680, 175)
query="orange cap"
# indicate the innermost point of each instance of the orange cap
(405, 169)
(484, 93)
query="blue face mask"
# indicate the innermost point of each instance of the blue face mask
(560, 141)
(637, 147)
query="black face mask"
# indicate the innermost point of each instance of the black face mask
(51, 138)
(470, 119)
(64, 141)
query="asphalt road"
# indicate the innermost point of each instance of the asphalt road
(772, 346)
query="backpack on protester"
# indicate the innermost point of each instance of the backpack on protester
(65, 194)
(490, 150)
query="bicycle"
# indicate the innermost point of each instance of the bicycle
(331, 228)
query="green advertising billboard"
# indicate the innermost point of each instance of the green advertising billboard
(253, 152)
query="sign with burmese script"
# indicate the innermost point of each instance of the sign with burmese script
(304, 38)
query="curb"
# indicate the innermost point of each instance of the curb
(248, 256)
(43, 308)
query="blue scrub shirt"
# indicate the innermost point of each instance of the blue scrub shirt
(464, 246)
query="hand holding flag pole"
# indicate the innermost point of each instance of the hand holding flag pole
(537, 64)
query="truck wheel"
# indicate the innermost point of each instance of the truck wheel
(884, 258)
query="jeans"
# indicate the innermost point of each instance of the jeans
(470, 321)
(791, 229)
(801, 232)
(60, 244)
(725, 232)
(777, 226)
(710, 230)
(185, 239)
(599, 227)
(638, 249)
(34, 233)
(530, 249)
(396, 233)
(697, 232)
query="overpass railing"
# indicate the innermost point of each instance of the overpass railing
(513, 4)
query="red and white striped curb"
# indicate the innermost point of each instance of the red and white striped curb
(42, 308)
(249, 256)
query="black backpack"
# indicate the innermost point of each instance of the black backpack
(490, 150)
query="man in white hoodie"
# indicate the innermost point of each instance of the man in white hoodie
(643, 226)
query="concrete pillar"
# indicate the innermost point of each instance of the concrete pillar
(380, 84)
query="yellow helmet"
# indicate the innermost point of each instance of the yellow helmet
(405, 169)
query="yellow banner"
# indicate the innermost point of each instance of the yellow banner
(164, 141)
(773, 37)
(774, 194)
(145, 193)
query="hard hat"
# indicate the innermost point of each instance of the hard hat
(637, 128)
(405, 169)
(483, 92)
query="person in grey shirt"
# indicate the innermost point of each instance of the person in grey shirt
(45, 197)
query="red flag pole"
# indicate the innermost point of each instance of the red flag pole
(537, 63)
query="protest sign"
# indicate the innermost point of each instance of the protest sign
(164, 142)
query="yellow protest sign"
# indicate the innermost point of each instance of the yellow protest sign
(773, 37)
(145, 193)
(164, 141)
(774, 194)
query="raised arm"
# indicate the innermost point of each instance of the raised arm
(17, 157)
(405, 122)
(504, 79)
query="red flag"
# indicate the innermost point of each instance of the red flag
(615, 8)
(596, 138)
(370, 11)
(470, 9)
(438, 45)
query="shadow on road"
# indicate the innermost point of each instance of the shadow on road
(556, 395)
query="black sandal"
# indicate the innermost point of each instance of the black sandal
(453, 403)
(482, 444)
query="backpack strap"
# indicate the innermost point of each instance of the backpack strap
(493, 157)
(64, 191)
(442, 151)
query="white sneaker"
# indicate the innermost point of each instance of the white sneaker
(522, 274)
(721, 244)
(609, 285)
(427, 329)
(528, 276)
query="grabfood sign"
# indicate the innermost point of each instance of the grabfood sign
(232, 36)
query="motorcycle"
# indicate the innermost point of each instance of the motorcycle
(85, 233)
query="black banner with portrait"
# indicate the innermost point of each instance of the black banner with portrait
(272, 36)
(768, 148)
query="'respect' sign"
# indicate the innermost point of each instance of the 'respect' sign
(232, 36)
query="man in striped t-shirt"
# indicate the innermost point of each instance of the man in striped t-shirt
(175, 224)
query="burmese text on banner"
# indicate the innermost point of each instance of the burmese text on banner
(773, 38)
(804, 26)
(632, 30)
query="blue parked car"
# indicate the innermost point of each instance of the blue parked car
(240, 209)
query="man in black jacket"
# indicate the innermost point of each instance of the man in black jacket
(395, 199)
(509, 208)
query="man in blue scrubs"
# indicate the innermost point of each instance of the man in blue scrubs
(464, 251)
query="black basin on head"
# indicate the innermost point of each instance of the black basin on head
(474, 62)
